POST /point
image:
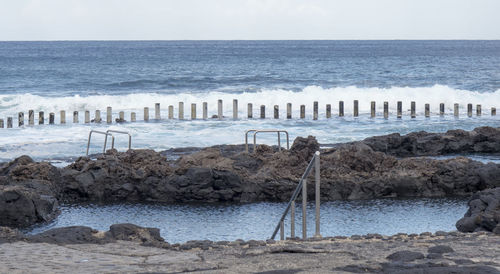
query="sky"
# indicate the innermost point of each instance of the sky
(248, 19)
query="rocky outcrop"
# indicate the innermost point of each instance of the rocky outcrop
(483, 213)
(85, 235)
(28, 192)
(21, 206)
(479, 140)
(350, 171)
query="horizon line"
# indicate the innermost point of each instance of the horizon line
(201, 40)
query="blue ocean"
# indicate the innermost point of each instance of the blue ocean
(131, 75)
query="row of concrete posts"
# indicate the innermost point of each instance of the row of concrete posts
(157, 113)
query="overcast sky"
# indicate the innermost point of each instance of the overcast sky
(248, 19)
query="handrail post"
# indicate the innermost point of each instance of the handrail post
(282, 230)
(317, 190)
(304, 207)
(292, 220)
(279, 142)
(287, 140)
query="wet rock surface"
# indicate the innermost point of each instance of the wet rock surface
(483, 213)
(459, 253)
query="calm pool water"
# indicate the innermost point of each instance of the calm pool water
(180, 223)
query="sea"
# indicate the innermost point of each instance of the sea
(130, 75)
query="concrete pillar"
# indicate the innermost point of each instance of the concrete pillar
(262, 111)
(97, 116)
(193, 111)
(427, 110)
(328, 111)
(157, 111)
(205, 110)
(302, 111)
(87, 117)
(315, 110)
(250, 111)
(1, 123)
(456, 110)
(9, 122)
(51, 118)
(341, 108)
(289, 110)
(41, 118)
(413, 112)
(132, 117)
(146, 114)
(276, 112)
(372, 109)
(75, 117)
(31, 117)
(469, 110)
(478, 110)
(121, 116)
(235, 109)
(441, 109)
(219, 109)
(20, 119)
(181, 110)
(356, 108)
(63, 117)
(493, 111)
(170, 112)
(400, 109)
(386, 110)
(109, 115)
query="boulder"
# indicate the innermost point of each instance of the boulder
(483, 213)
(22, 207)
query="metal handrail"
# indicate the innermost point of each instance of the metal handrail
(105, 139)
(315, 161)
(266, 130)
(121, 132)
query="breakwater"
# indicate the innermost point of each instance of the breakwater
(108, 117)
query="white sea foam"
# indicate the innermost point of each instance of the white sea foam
(10, 104)
(48, 142)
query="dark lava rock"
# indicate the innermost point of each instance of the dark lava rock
(69, 235)
(131, 232)
(405, 256)
(479, 140)
(483, 213)
(86, 235)
(440, 249)
(8, 235)
(22, 207)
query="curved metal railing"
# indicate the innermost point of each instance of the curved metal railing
(302, 186)
(121, 132)
(106, 134)
(255, 131)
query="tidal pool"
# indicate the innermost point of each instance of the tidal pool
(181, 223)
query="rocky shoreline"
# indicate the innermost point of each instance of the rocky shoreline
(131, 249)
(30, 191)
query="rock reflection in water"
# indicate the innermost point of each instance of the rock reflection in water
(180, 223)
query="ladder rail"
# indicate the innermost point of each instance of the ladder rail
(296, 193)
(256, 131)
(120, 132)
(106, 134)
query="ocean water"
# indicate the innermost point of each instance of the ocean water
(128, 76)
(218, 222)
